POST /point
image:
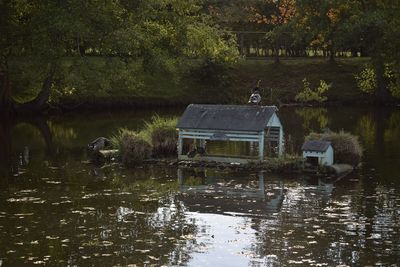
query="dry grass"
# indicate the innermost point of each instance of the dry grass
(134, 149)
(161, 133)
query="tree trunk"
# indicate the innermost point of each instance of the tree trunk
(6, 101)
(331, 54)
(382, 92)
(40, 103)
(276, 56)
(6, 158)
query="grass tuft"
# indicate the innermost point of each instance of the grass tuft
(162, 134)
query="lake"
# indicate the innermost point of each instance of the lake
(56, 209)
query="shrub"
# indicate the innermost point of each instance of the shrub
(134, 149)
(161, 133)
(347, 148)
(313, 95)
(366, 80)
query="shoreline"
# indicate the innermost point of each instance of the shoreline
(137, 103)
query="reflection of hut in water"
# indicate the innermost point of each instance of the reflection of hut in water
(214, 195)
(258, 125)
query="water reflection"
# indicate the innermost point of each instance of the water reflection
(56, 209)
(314, 119)
(209, 191)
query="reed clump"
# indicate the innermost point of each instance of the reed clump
(162, 134)
(133, 147)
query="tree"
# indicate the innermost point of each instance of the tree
(376, 24)
(57, 37)
(326, 20)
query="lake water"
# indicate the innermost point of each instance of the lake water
(58, 210)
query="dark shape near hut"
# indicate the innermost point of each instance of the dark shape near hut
(99, 144)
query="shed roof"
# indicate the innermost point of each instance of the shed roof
(316, 145)
(226, 117)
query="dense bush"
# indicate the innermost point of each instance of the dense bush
(313, 95)
(162, 134)
(347, 148)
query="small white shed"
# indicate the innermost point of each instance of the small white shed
(317, 152)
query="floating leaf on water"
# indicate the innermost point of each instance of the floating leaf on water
(107, 243)
(23, 199)
(375, 236)
(188, 237)
(142, 250)
(23, 214)
(53, 168)
(295, 262)
(53, 182)
(26, 191)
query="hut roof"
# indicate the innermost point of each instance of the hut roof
(316, 145)
(226, 117)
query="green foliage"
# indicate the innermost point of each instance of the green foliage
(125, 41)
(393, 78)
(162, 134)
(211, 43)
(313, 95)
(366, 80)
(347, 148)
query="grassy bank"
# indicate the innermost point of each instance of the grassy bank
(284, 80)
(194, 83)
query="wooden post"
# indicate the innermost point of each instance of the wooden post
(280, 143)
(261, 145)
(261, 184)
(180, 176)
(180, 144)
(202, 143)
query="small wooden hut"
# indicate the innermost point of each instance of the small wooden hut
(318, 153)
(247, 123)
